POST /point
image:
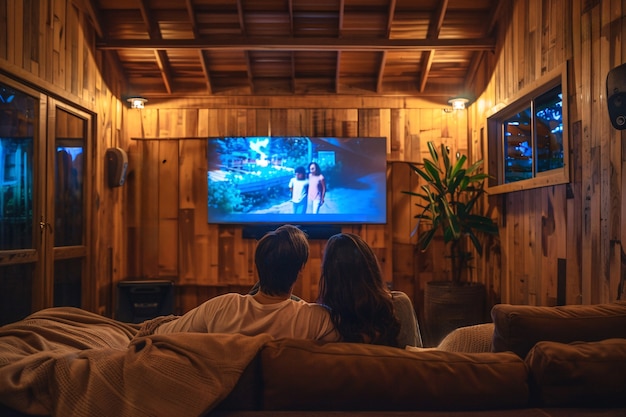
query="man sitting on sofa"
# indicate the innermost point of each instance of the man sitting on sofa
(279, 257)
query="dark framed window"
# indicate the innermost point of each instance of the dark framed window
(528, 141)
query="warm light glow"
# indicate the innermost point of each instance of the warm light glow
(137, 102)
(458, 103)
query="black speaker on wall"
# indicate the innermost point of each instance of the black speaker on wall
(616, 96)
(117, 164)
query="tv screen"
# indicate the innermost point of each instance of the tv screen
(297, 180)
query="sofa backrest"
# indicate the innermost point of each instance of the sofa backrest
(305, 375)
(517, 328)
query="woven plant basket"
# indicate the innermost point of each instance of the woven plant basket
(448, 306)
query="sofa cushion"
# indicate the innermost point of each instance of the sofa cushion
(305, 375)
(517, 328)
(469, 339)
(578, 374)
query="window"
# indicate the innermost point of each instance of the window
(528, 143)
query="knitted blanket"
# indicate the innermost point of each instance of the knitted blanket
(66, 361)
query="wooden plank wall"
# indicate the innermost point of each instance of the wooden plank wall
(169, 237)
(50, 45)
(562, 239)
(562, 244)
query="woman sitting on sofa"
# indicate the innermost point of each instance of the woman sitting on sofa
(362, 309)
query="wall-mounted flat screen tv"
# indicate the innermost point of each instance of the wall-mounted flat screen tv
(281, 179)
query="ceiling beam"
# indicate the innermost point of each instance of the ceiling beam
(479, 55)
(495, 13)
(427, 62)
(149, 21)
(293, 72)
(290, 5)
(433, 33)
(248, 60)
(242, 20)
(381, 71)
(305, 44)
(246, 54)
(292, 55)
(164, 66)
(391, 12)
(338, 72)
(204, 63)
(192, 18)
(341, 11)
(160, 55)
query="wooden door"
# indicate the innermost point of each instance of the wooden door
(66, 263)
(22, 121)
(44, 196)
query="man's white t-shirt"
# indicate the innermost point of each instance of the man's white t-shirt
(299, 188)
(236, 313)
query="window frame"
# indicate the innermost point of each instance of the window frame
(495, 158)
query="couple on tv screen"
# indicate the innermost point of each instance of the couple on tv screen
(296, 179)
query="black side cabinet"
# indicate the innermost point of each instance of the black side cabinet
(138, 301)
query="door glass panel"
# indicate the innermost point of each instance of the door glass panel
(17, 125)
(69, 179)
(15, 292)
(67, 282)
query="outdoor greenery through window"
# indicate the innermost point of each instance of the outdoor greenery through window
(527, 139)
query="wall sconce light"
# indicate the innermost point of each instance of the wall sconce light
(136, 102)
(458, 103)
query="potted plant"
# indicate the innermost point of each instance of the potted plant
(448, 203)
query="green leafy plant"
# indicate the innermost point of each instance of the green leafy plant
(448, 202)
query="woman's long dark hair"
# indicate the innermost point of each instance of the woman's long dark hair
(352, 287)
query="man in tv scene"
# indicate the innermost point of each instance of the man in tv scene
(299, 187)
(279, 258)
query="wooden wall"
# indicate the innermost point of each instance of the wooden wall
(556, 243)
(50, 46)
(562, 244)
(155, 226)
(167, 223)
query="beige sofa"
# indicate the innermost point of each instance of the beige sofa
(543, 361)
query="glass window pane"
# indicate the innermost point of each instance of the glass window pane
(518, 147)
(16, 286)
(69, 179)
(17, 126)
(67, 282)
(549, 122)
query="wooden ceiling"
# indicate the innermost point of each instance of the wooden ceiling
(294, 47)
